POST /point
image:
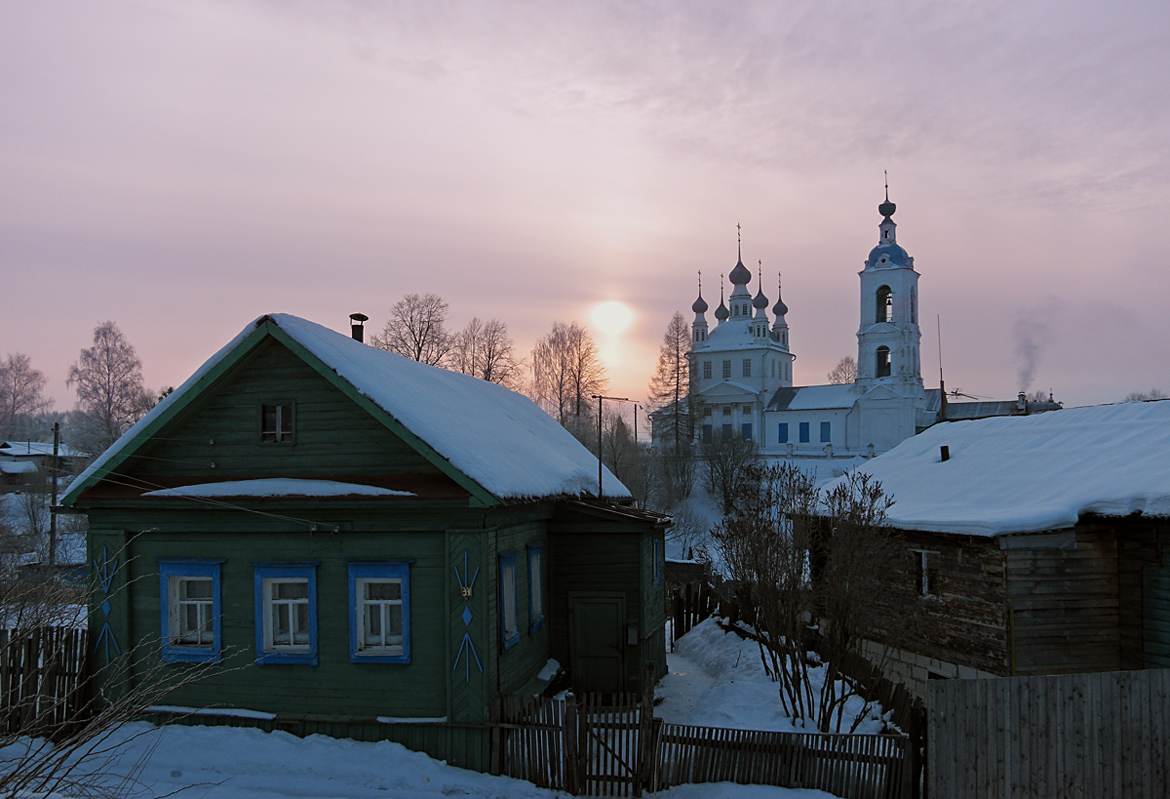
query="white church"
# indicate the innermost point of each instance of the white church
(742, 368)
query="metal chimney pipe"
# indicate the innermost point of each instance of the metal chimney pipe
(945, 452)
(356, 320)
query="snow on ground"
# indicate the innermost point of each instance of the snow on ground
(236, 763)
(716, 678)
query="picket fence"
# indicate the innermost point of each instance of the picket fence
(42, 680)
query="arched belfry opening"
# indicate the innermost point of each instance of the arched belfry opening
(884, 311)
(882, 362)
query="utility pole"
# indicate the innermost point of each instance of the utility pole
(636, 407)
(599, 398)
(55, 468)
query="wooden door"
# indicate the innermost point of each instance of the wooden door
(596, 641)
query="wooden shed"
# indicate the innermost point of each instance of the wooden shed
(1034, 545)
(363, 537)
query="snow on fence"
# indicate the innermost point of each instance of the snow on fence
(42, 679)
(1082, 735)
(611, 745)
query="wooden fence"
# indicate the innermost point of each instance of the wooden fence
(850, 766)
(687, 605)
(42, 680)
(596, 745)
(1065, 736)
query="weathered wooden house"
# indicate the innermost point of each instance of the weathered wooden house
(373, 537)
(1035, 545)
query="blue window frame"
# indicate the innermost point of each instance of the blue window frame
(379, 611)
(286, 612)
(804, 432)
(189, 595)
(783, 433)
(509, 613)
(826, 431)
(535, 588)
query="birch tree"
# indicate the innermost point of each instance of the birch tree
(21, 392)
(110, 392)
(485, 350)
(566, 371)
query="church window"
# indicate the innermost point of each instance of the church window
(804, 432)
(826, 432)
(707, 432)
(727, 370)
(706, 370)
(707, 411)
(747, 431)
(727, 432)
(747, 410)
(727, 411)
(747, 367)
(914, 306)
(773, 369)
(885, 305)
(783, 436)
(883, 362)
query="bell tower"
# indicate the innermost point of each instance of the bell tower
(888, 340)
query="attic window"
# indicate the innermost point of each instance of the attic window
(276, 424)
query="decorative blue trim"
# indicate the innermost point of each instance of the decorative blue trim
(375, 570)
(509, 562)
(190, 567)
(535, 622)
(279, 569)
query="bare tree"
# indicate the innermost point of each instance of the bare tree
(1141, 396)
(844, 372)
(21, 392)
(485, 350)
(726, 458)
(417, 329)
(566, 370)
(799, 554)
(670, 387)
(110, 393)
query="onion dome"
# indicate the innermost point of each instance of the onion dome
(779, 309)
(887, 208)
(740, 276)
(760, 301)
(721, 313)
(699, 305)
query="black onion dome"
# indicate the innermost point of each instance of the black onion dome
(760, 300)
(721, 312)
(779, 309)
(887, 208)
(740, 276)
(699, 305)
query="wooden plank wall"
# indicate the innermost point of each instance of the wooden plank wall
(42, 681)
(1077, 736)
(1065, 606)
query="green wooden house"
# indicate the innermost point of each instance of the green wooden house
(370, 538)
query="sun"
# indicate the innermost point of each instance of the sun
(611, 317)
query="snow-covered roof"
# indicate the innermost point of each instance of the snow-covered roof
(813, 398)
(36, 448)
(497, 437)
(1023, 474)
(277, 487)
(17, 467)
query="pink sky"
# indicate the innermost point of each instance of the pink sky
(182, 168)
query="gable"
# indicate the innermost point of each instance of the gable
(217, 437)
